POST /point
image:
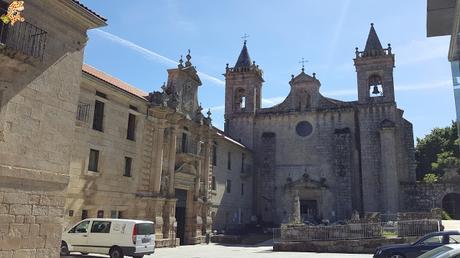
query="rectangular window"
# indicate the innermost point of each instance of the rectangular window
(114, 214)
(229, 186)
(184, 143)
(83, 112)
(242, 189)
(84, 214)
(145, 229)
(100, 94)
(133, 107)
(100, 214)
(128, 164)
(131, 127)
(214, 155)
(98, 116)
(229, 161)
(213, 183)
(93, 164)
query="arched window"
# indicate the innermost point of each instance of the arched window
(240, 99)
(375, 86)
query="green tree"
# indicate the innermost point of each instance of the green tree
(437, 151)
(430, 178)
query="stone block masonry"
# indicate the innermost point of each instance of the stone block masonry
(29, 223)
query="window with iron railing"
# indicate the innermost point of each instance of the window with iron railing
(22, 36)
(83, 112)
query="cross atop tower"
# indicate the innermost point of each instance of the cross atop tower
(245, 37)
(303, 64)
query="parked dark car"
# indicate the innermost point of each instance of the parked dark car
(419, 247)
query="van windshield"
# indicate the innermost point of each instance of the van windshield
(145, 229)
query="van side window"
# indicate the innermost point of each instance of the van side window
(80, 228)
(100, 227)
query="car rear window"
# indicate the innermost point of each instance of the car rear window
(145, 229)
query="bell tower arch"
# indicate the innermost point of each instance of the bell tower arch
(374, 67)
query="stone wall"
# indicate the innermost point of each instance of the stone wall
(38, 102)
(232, 210)
(342, 246)
(421, 197)
(107, 190)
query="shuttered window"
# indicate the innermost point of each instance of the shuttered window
(98, 116)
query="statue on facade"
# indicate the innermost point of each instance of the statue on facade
(296, 218)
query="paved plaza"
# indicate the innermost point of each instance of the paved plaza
(220, 251)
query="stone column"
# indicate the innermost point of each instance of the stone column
(207, 220)
(172, 160)
(207, 151)
(156, 170)
(155, 208)
(198, 179)
(389, 170)
(169, 229)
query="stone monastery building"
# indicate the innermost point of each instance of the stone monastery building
(77, 143)
(337, 156)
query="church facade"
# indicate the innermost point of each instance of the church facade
(335, 156)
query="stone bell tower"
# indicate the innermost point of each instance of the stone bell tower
(243, 85)
(374, 67)
(243, 97)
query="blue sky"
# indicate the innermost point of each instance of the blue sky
(144, 39)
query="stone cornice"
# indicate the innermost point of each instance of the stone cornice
(90, 20)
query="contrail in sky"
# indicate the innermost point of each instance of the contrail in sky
(149, 54)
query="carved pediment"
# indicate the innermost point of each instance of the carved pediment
(306, 182)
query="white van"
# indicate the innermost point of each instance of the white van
(115, 237)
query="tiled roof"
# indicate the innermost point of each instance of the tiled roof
(89, 10)
(114, 81)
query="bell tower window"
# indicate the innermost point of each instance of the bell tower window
(240, 100)
(375, 86)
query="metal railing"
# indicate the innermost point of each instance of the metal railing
(372, 53)
(191, 147)
(83, 112)
(23, 37)
(390, 229)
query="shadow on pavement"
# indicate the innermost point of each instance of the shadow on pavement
(268, 243)
(83, 256)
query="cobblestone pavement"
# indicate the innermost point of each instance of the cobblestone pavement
(219, 251)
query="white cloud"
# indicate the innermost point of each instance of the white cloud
(267, 102)
(418, 51)
(444, 84)
(149, 54)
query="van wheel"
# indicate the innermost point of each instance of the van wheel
(64, 249)
(116, 252)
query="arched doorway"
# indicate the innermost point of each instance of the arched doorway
(451, 204)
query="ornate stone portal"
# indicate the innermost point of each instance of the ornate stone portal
(178, 189)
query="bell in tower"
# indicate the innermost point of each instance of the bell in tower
(374, 67)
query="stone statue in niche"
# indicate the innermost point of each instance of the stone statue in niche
(164, 185)
(199, 148)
